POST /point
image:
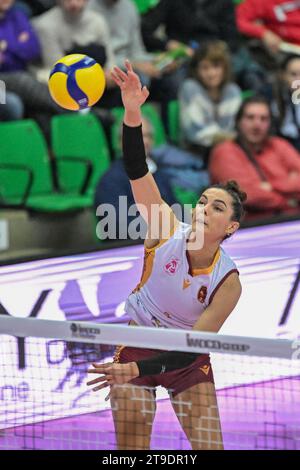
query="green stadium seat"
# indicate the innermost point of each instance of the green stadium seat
(150, 112)
(25, 171)
(144, 5)
(247, 94)
(81, 152)
(185, 196)
(174, 121)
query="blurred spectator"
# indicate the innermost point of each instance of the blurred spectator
(24, 6)
(71, 28)
(271, 21)
(268, 168)
(208, 99)
(19, 46)
(123, 20)
(184, 169)
(37, 7)
(12, 109)
(189, 22)
(285, 106)
(193, 22)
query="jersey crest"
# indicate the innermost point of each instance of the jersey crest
(172, 265)
(202, 294)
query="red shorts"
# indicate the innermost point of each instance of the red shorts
(175, 381)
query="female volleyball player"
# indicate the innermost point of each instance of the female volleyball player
(188, 282)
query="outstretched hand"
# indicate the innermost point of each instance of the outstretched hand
(112, 374)
(133, 94)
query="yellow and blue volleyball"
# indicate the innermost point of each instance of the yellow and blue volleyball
(76, 82)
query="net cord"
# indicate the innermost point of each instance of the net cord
(152, 338)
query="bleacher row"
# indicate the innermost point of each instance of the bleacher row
(144, 5)
(64, 177)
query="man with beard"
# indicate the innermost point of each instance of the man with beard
(267, 167)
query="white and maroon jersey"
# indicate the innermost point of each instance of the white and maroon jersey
(169, 295)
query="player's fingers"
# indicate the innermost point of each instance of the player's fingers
(120, 73)
(104, 385)
(117, 80)
(99, 370)
(97, 380)
(145, 92)
(108, 396)
(128, 65)
(102, 364)
(110, 379)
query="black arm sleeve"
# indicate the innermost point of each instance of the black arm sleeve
(165, 362)
(134, 152)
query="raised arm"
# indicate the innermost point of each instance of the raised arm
(153, 209)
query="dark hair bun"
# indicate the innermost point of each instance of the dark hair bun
(232, 186)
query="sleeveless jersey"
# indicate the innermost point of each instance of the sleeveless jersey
(168, 295)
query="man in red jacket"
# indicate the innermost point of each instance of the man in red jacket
(272, 21)
(267, 168)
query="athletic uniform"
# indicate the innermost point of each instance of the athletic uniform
(171, 295)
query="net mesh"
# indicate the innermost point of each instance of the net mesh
(45, 402)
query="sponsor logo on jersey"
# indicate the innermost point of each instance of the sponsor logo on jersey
(172, 266)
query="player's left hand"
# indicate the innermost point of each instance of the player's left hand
(112, 374)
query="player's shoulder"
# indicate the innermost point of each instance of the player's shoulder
(226, 271)
(176, 231)
(226, 259)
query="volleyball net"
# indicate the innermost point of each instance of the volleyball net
(45, 402)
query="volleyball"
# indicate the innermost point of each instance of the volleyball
(76, 82)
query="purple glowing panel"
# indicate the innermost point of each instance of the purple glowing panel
(94, 286)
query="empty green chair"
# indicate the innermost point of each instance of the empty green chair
(150, 112)
(80, 150)
(174, 121)
(25, 171)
